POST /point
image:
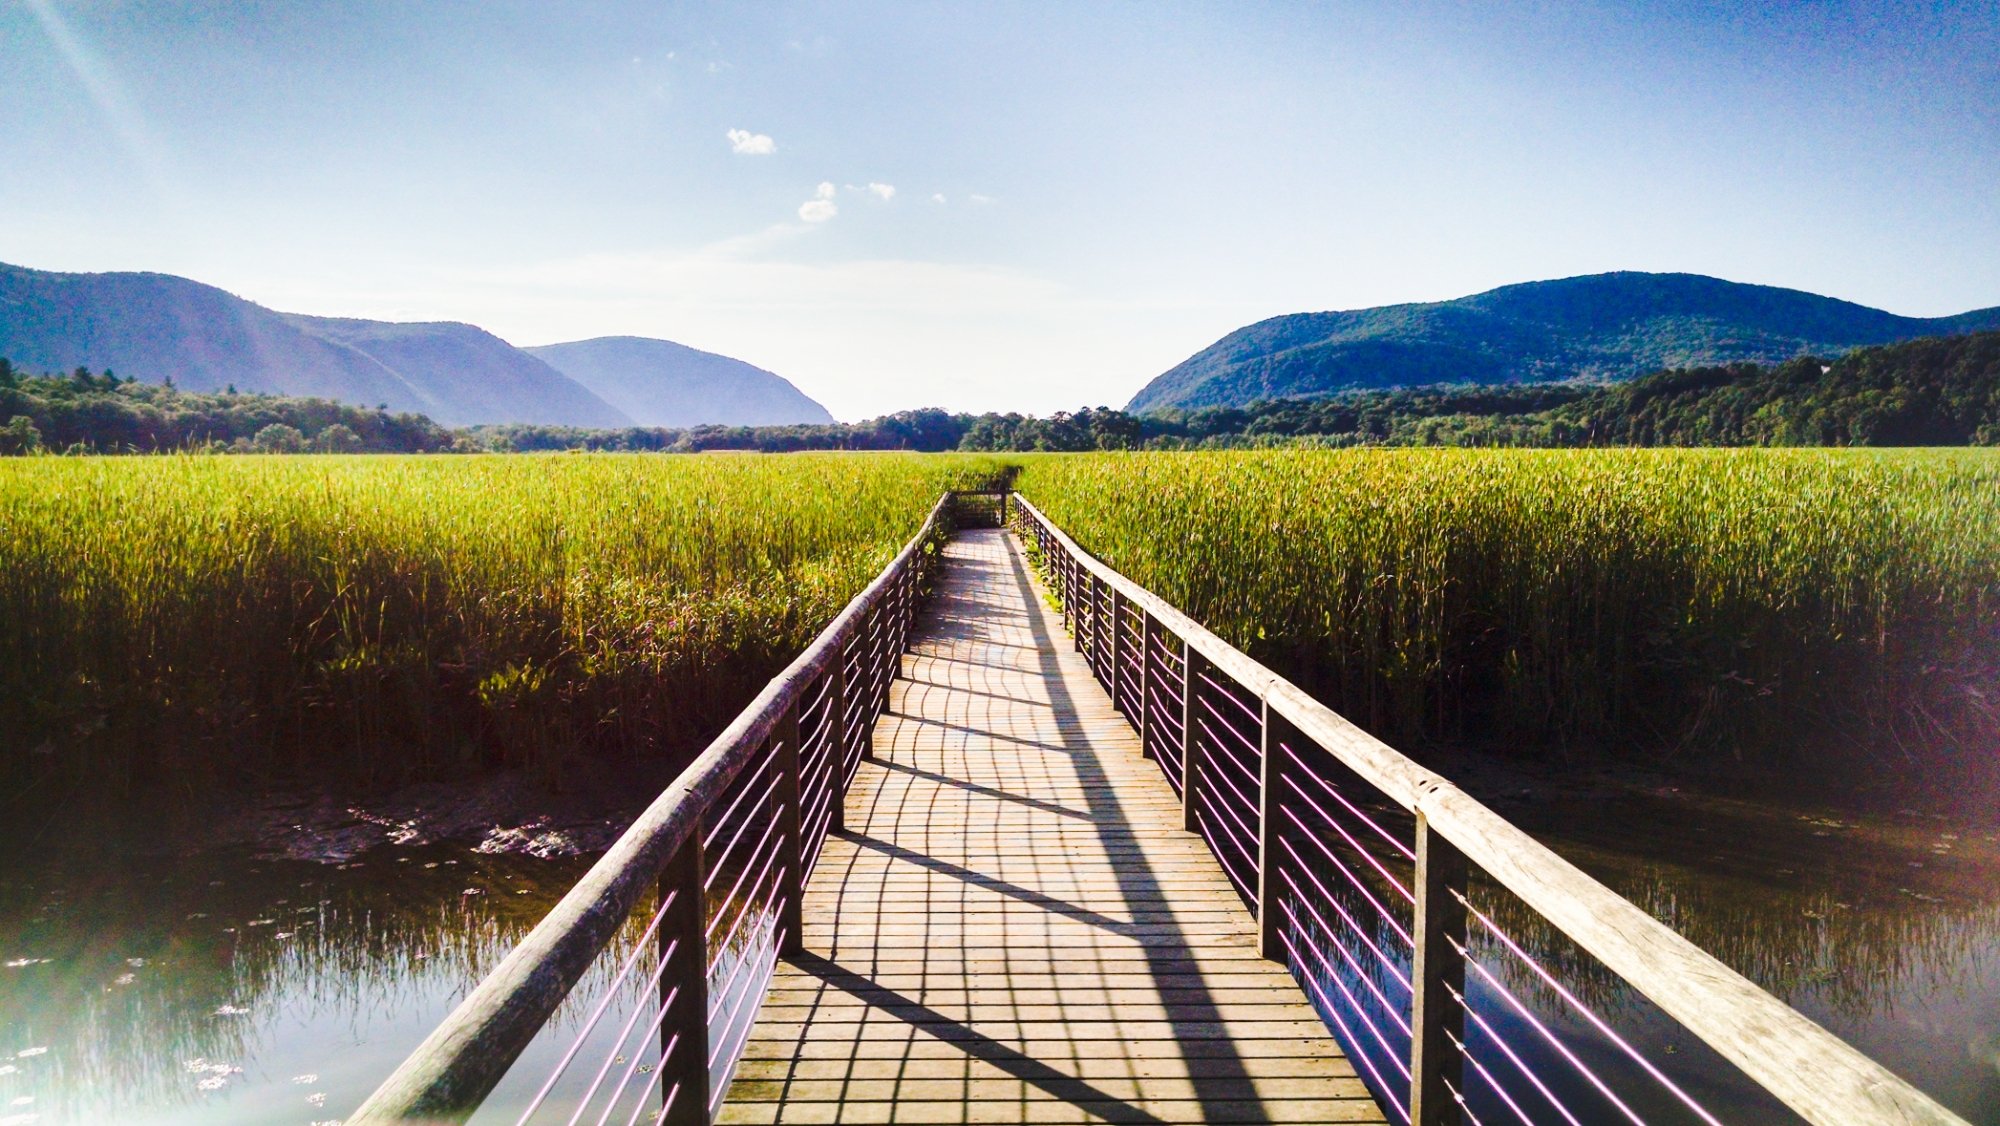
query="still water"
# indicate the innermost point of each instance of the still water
(1884, 929)
(224, 988)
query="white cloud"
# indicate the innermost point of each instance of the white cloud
(937, 197)
(884, 191)
(979, 199)
(745, 142)
(820, 207)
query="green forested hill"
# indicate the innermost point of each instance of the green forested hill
(1603, 326)
(1940, 391)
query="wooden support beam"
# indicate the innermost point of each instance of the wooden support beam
(1435, 1018)
(1190, 742)
(1272, 781)
(864, 649)
(1098, 644)
(836, 748)
(1116, 650)
(684, 1032)
(791, 847)
(1148, 639)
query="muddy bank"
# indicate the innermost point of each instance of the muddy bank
(507, 813)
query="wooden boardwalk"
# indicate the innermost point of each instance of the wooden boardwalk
(1013, 927)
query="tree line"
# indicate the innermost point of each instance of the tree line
(1938, 391)
(101, 412)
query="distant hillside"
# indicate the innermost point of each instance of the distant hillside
(660, 383)
(158, 327)
(1936, 391)
(470, 375)
(1604, 326)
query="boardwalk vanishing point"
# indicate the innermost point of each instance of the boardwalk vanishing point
(1013, 926)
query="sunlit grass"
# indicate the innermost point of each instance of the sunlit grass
(386, 618)
(1834, 610)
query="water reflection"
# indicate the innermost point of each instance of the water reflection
(1886, 933)
(226, 989)
(230, 989)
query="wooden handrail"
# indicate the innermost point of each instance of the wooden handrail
(459, 1063)
(1810, 1070)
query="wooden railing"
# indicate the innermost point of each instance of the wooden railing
(729, 846)
(1261, 771)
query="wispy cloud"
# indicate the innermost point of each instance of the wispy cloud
(820, 207)
(746, 143)
(882, 191)
(981, 200)
(937, 197)
(106, 92)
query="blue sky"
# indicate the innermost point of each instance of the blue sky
(1083, 194)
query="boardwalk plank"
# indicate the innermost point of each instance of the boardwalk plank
(1014, 927)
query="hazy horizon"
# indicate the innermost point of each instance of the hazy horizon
(1004, 207)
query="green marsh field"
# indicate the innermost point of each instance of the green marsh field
(385, 619)
(1783, 615)
(181, 627)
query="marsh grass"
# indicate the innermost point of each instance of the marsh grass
(1796, 616)
(171, 623)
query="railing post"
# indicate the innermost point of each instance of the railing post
(791, 848)
(901, 611)
(1271, 783)
(684, 1036)
(1059, 571)
(1086, 593)
(1097, 627)
(1190, 743)
(1148, 632)
(1116, 648)
(892, 646)
(1439, 971)
(836, 739)
(865, 649)
(1082, 609)
(912, 576)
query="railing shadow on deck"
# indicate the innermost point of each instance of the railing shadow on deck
(1226, 1087)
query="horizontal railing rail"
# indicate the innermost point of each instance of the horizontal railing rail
(1251, 757)
(728, 845)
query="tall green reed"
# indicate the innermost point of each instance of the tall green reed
(166, 621)
(1762, 611)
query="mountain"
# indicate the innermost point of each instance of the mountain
(469, 375)
(660, 383)
(1602, 326)
(158, 327)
